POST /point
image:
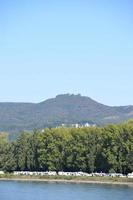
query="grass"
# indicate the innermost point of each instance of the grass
(68, 178)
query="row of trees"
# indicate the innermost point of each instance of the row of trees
(107, 149)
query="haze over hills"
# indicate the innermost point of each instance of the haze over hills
(64, 108)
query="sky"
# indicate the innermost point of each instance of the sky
(50, 47)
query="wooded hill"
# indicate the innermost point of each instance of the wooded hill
(66, 109)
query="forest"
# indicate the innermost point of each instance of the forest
(92, 149)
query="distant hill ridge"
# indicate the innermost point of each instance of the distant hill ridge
(64, 108)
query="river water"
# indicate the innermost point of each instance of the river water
(15, 190)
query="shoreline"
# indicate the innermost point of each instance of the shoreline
(68, 181)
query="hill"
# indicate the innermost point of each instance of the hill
(64, 108)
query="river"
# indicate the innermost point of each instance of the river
(15, 190)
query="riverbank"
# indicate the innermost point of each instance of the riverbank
(69, 179)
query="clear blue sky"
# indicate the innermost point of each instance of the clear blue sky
(49, 47)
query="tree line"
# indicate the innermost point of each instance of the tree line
(93, 149)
